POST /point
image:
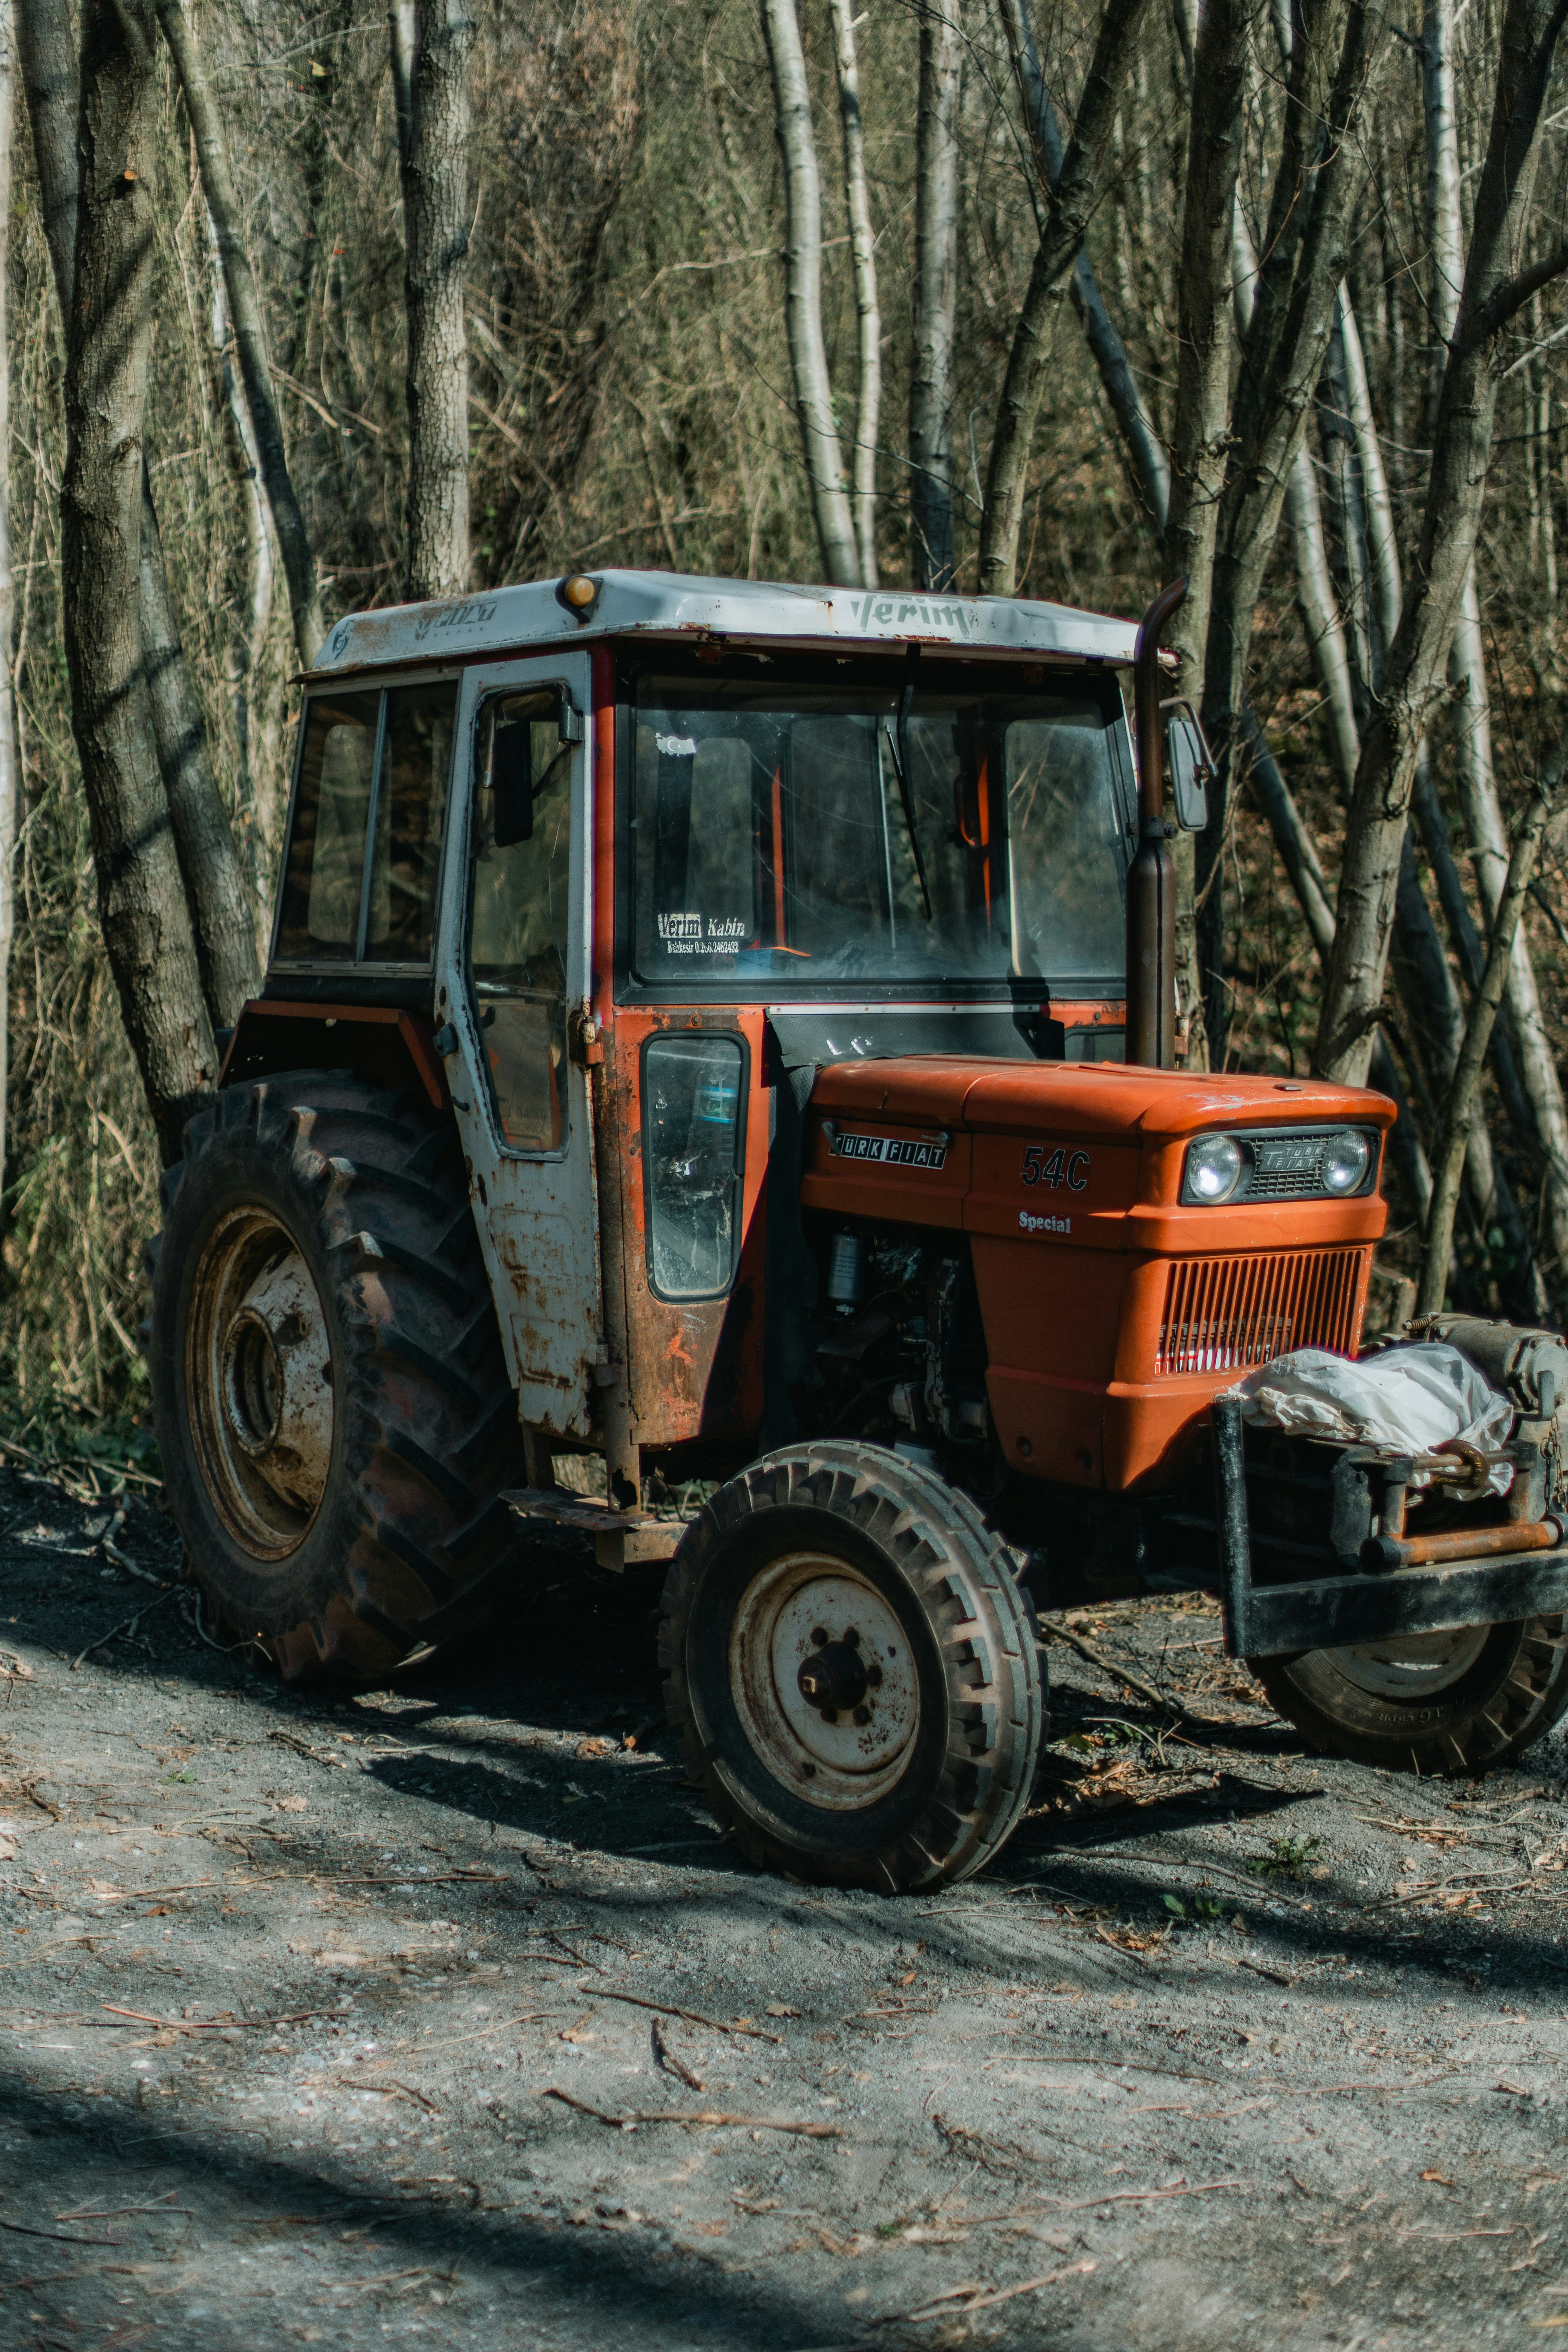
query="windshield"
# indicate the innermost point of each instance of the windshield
(795, 833)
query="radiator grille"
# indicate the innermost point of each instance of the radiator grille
(1222, 1314)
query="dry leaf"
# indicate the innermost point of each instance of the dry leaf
(1440, 2177)
(780, 2009)
(292, 1805)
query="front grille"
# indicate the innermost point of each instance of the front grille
(1222, 1314)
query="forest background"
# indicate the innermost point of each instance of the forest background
(1054, 300)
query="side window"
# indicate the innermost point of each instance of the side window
(519, 907)
(347, 796)
(324, 873)
(692, 1089)
(410, 806)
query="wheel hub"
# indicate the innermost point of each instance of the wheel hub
(1412, 1666)
(260, 1383)
(825, 1680)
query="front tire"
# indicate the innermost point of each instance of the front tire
(853, 1670)
(1461, 1701)
(332, 1407)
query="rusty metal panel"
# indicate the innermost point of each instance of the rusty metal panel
(537, 1211)
(696, 1364)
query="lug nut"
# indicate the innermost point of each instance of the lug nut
(862, 1715)
(819, 1635)
(828, 1714)
(852, 1637)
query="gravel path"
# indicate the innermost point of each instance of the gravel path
(441, 2011)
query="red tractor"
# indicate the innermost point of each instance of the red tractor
(727, 1029)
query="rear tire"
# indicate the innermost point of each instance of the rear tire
(1446, 1703)
(853, 1670)
(331, 1403)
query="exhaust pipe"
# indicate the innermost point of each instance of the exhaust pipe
(1151, 877)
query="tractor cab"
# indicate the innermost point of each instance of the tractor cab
(713, 1088)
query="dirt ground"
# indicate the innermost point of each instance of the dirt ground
(441, 2011)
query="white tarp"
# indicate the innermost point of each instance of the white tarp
(1408, 1399)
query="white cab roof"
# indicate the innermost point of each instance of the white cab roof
(667, 605)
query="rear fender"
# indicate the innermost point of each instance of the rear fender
(382, 1044)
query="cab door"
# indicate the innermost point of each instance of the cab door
(512, 970)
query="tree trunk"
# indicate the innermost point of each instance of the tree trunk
(1144, 452)
(219, 895)
(1461, 1108)
(1467, 654)
(436, 242)
(250, 339)
(1204, 335)
(863, 254)
(218, 892)
(932, 552)
(1317, 188)
(256, 600)
(803, 295)
(1071, 197)
(8, 784)
(141, 903)
(1496, 287)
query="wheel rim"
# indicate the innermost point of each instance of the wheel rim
(260, 1379)
(1412, 1666)
(825, 1681)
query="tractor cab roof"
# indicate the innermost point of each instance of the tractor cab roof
(667, 604)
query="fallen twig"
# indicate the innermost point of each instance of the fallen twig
(947, 2305)
(128, 1626)
(22, 2230)
(710, 2115)
(389, 2083)
(666, 2057)
(215, 2024)
(670, 2009)
(1176, 1706)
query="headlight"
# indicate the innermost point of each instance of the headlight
(1343, 1164)
(1213, 1169)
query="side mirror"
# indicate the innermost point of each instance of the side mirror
(1189, 763)
(511, 780)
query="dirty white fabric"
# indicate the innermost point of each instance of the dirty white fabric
(1409, 1399)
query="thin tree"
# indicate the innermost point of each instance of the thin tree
(1318, 185)
(1497, 286)
(430, 50)
(222, 907)
(1467, 655)
(868, 310)
(8, 792)
(1070, 199)
(142, 901)
(250, 330)
(803, 295)
(1459, 1109)
(932, 547)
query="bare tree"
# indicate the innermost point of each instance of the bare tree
(430, 63)
(803, 294)
(868, 310)
(250, 337)
(1497, 286)
(1317, 189)
(1146, 459)
(8, 794)
(1205, 332)
(1467, 654)
(141, 902)
(1071, 198)
(222, 907)
(931, 548)
(1459, 1109)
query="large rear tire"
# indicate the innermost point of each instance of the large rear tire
(332, 1407)
(853, 1670)
(1457, 1702)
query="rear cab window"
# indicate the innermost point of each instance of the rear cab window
(363, 859)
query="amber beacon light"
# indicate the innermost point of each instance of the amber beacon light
(579, 594)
